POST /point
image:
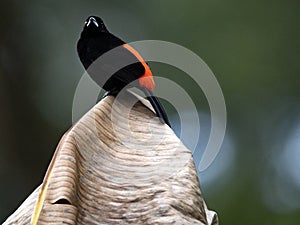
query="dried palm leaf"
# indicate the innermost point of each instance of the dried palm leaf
(118, 165)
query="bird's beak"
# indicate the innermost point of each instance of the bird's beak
(93, 21)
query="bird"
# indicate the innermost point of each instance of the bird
(124, 67)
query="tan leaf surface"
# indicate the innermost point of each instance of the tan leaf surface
(133, 170)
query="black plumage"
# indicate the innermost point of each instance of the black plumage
(111, 65)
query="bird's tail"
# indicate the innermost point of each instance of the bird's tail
(157, 106)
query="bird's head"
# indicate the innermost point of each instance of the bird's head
(94, 26)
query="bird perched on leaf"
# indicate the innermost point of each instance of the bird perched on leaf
(114, 64)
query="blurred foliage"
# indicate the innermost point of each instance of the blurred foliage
(252, 47)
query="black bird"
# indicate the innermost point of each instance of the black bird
(121, 66)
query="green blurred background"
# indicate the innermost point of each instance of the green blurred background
(252, 48)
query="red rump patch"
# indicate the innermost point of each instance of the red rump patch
(146, 80)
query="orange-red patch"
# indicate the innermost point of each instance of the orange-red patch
(146, 80)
